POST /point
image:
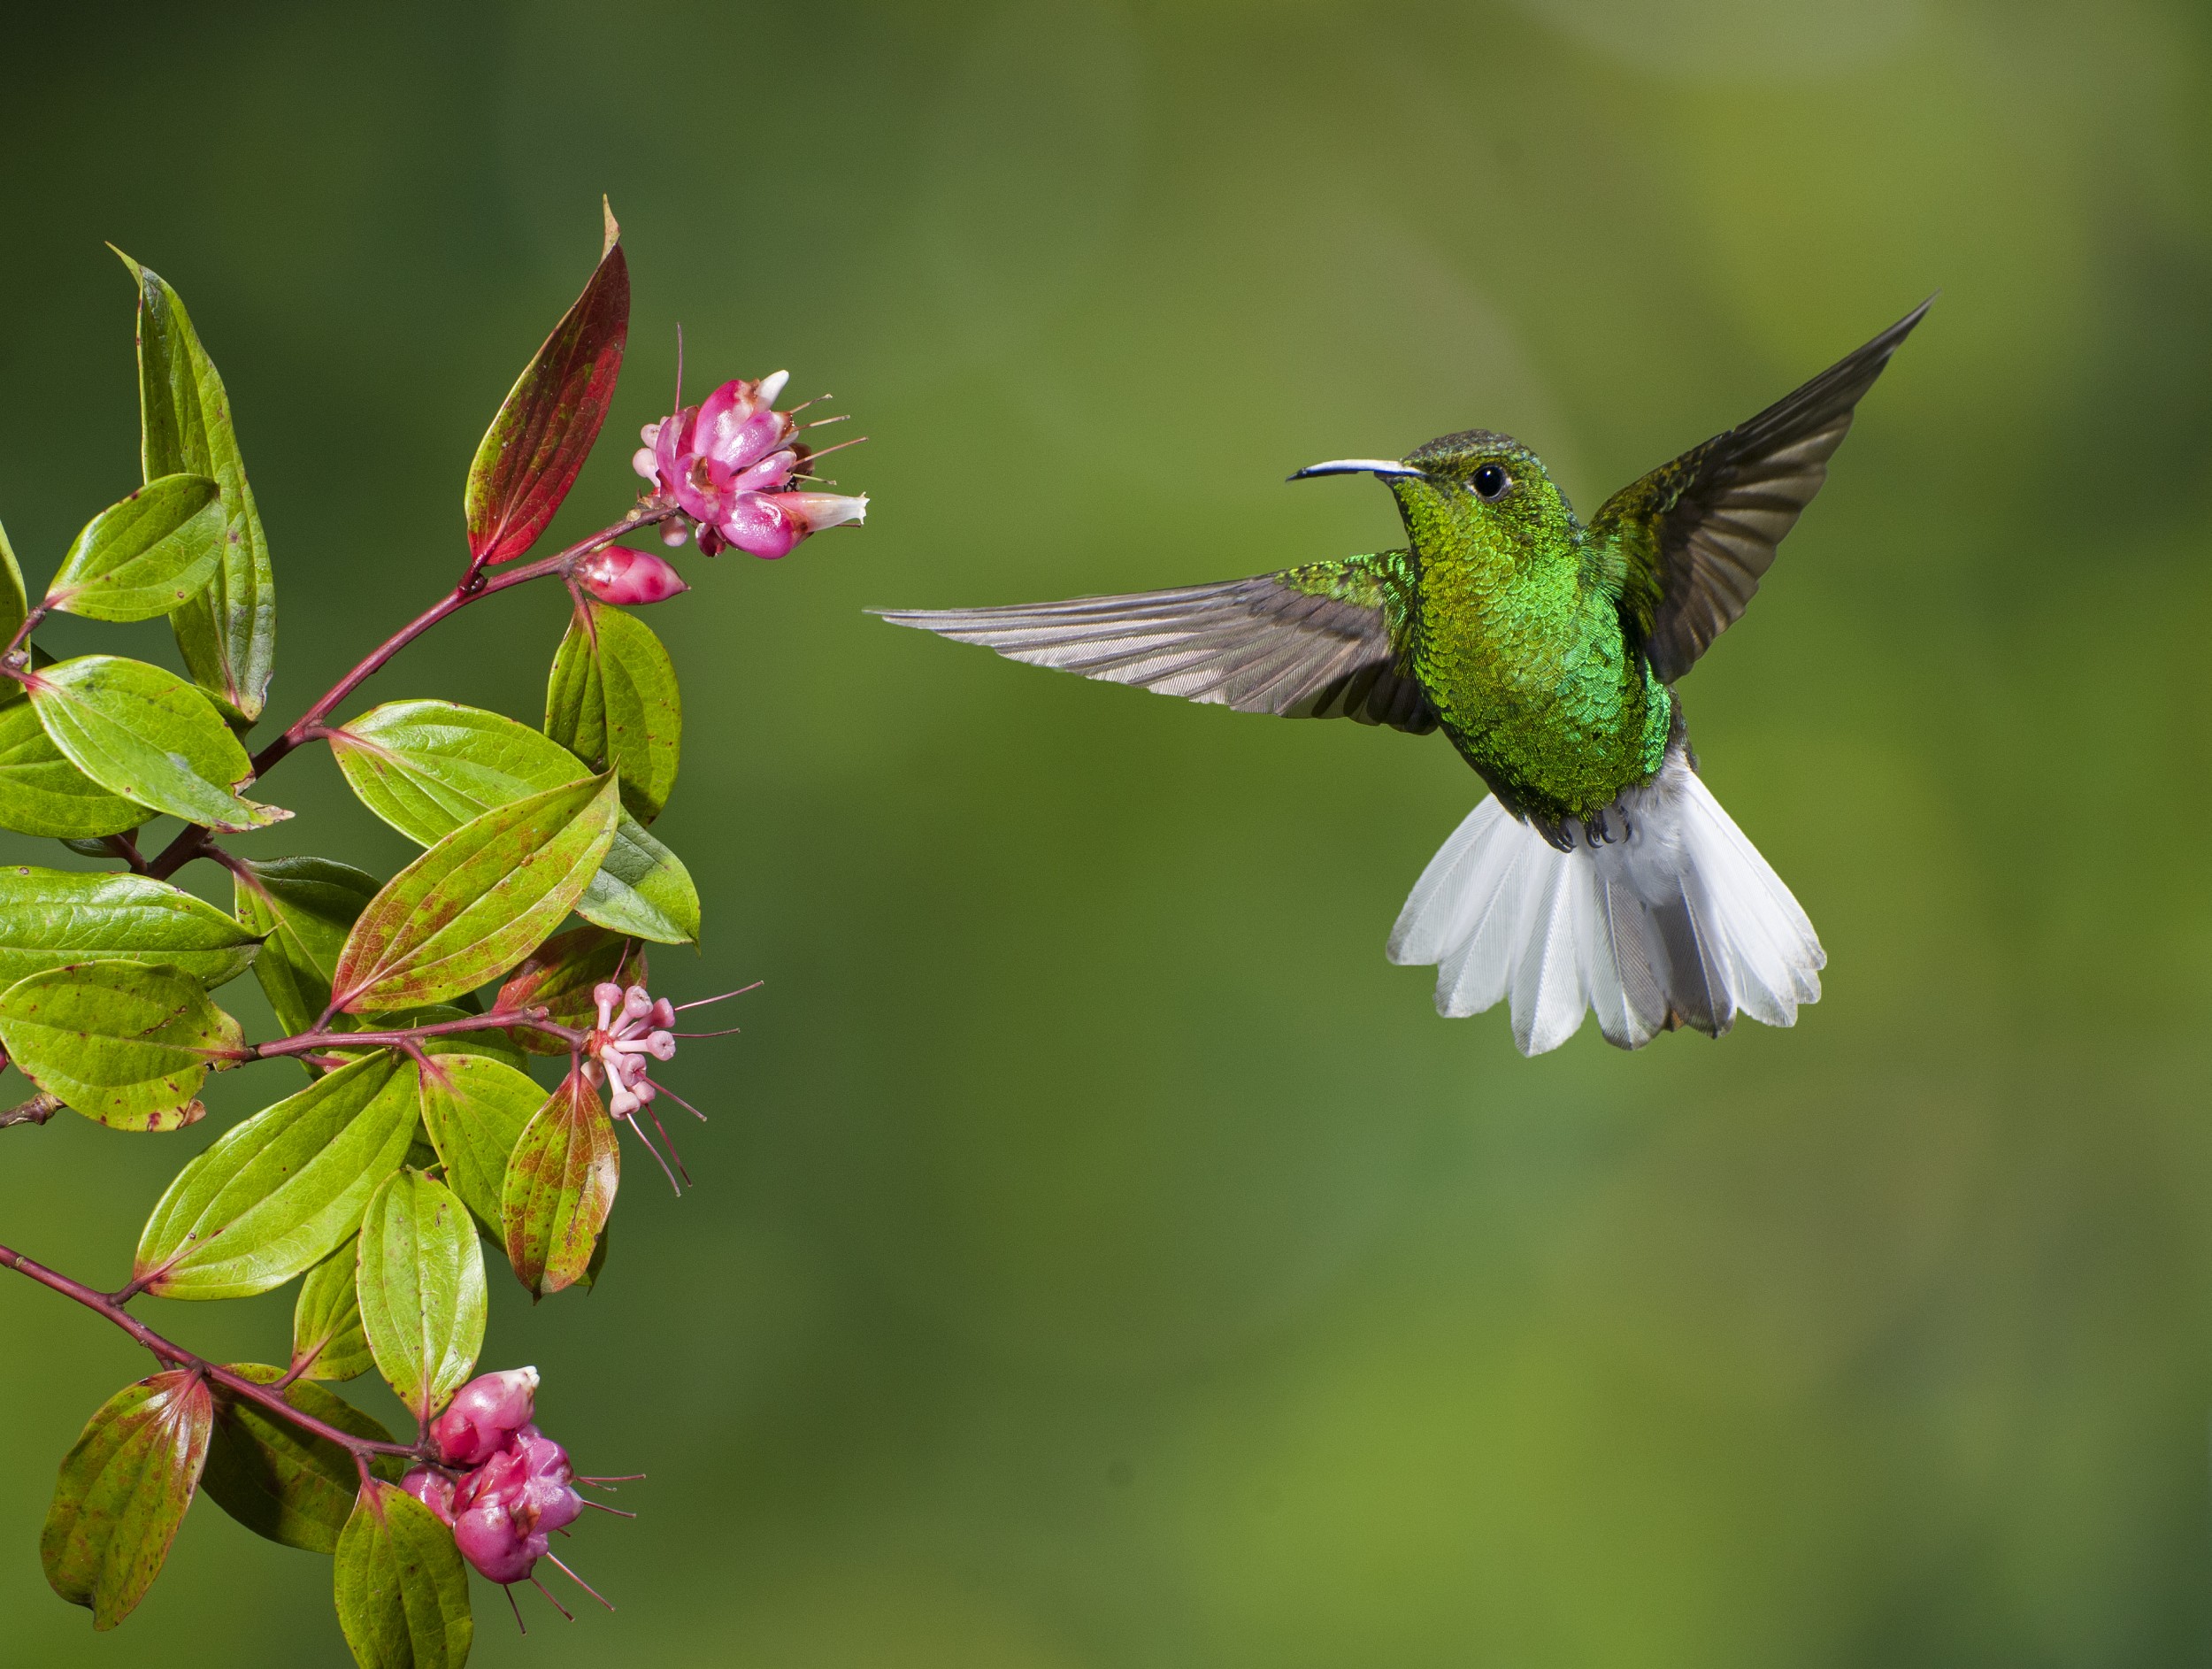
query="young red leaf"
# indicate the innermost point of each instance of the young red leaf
(560, 1187)
(122, 1490)
(535, 446)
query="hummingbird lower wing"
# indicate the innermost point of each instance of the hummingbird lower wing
(1698, 534)
(1310, 643)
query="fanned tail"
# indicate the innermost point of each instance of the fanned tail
(1674, 921)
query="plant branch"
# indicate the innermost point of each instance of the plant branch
(127, 849)
(474, 585)
(533, 1019)
(309, 727)
(37, 1110)
(177, 1356)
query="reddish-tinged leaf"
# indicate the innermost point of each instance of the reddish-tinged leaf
(560, 976)
(530, 455)
(122, 1490)
(559, 1188)
(478, 899)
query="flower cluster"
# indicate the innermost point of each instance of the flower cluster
(729, 462)
(503, 1487)
(632, 1032)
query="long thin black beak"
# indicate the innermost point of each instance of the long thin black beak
(1356, 466)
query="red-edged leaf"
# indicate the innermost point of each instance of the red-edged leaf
(122, 1490)
(559, 1188)
(560, 975)
(481, 896)
(539, 441)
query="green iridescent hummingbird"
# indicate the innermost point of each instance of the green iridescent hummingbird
(1599, 873)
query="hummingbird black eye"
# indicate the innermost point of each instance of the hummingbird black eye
(1490, 482)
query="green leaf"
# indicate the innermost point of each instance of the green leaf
(53, 918)
(42, 793)
(642, 889)
(422, 1289)
(559, 1188)
(145, 556)
(479, 899)
(326, 1333)
(560, 975)
(278, 1481)
(227, 631)
(529, 457)
(613, 702)
(475, 1109)
(15, 602)
(306, 906)
(402, 1592)
(124, 1044)
(148, 735)
(428, 767)
(276, 1193)
(122, 1491)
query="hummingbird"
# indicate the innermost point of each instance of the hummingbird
(1598, 874)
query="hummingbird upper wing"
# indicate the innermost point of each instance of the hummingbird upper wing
(1312, 642)
(1698, 532)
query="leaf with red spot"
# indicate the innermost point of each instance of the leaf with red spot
(560, 1187)
(478, 899)
(530, 456)
(122, 1491)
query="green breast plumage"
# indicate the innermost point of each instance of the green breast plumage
(1519, 645)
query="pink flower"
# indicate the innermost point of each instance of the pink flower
(619, 574)
(726, 462)
(503, 1510)
(632, 1032)
(483, 1415)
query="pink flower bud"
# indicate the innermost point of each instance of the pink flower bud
(433, 1490)
(483, 1414)
(619, 574)
(489, 1539)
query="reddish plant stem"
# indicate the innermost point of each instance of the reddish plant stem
(472, 586)
(500, 1021)
(127, 849)
(193, 841)
(177, 1356)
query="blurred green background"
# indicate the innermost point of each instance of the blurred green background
(1101, 1258)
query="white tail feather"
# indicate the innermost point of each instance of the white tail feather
(1676, 920)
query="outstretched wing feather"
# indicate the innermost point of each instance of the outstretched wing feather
(1258, 645)
(1700, 532)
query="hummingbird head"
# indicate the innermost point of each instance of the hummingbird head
(1476, 488)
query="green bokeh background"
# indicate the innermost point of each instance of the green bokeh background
(1102, 1259)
